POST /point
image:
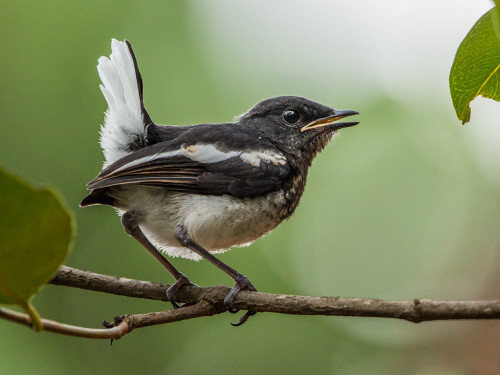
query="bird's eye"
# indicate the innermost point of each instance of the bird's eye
(291, 116)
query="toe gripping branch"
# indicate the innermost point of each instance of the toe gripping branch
(174, 289)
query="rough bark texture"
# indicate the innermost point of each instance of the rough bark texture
(210, 301)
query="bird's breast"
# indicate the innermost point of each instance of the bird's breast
(215, 222)
(293, 193)
(219, 222)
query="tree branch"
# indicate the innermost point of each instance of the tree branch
(210, 301)
(415, 311)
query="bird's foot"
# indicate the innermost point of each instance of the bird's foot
(241, 283)
(174, 289)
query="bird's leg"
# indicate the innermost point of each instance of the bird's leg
(132, 228)
(241, 282)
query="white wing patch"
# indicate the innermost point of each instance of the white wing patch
(147, 159)
(255, 157)
(208, 154)
(123, 119)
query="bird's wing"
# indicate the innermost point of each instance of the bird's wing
(199, 168)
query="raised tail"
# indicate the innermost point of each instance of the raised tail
(126, 118)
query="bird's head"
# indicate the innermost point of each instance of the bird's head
(297, 125)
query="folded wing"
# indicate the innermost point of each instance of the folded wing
(200, 169)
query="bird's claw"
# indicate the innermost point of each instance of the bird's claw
(174, 289)
(242, 283)
(244, 318)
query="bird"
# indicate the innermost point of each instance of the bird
(197, 190)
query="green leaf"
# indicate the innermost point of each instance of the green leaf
(35, 237)
(476, 69)
(496, 19)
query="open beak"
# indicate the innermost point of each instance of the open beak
(328, 123)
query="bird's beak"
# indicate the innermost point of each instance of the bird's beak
(329, 122)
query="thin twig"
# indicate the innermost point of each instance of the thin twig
(66, 329)
(120, 327)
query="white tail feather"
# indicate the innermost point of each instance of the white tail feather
(124, 120)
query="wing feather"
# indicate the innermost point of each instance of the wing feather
(198, 169)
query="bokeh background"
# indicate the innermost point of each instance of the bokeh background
(404, 205)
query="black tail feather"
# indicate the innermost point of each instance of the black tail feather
(140, 86)
(98, 196)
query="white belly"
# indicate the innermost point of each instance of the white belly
(215, 222)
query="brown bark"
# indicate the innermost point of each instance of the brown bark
(415, 311)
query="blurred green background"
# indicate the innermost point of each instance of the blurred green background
(405, 205)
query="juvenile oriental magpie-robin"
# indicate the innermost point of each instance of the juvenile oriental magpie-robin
(192, 191)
